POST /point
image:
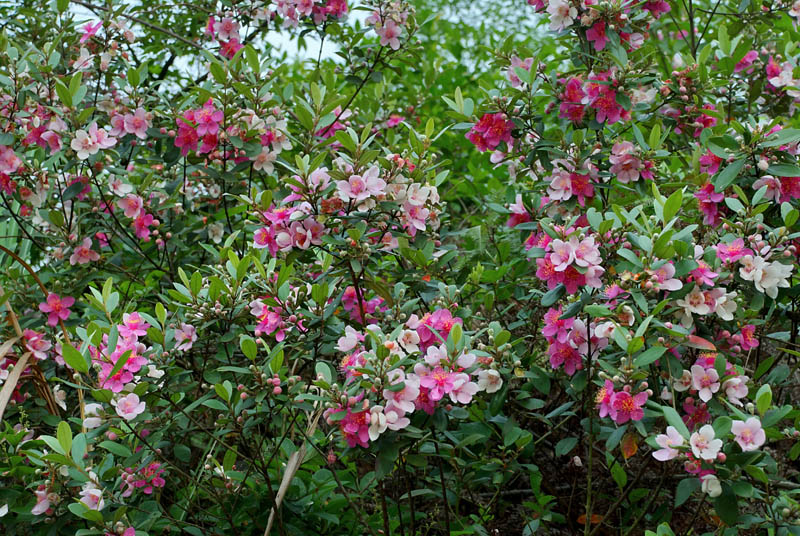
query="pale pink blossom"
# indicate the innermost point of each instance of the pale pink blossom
(703, 443)
(129, 407)
(749, 434)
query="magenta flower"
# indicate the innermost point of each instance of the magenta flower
(603, 398)
(625, 407)
(441, 382)
(89, 30)
(734, 251)
(56, 308)
(133, 326)
(84, 253)
(749, 434)
(597, 35)
(208, 119)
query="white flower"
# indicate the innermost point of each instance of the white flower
(60, 396)
(92, 413)
(711, 485)
(703, 443)
(216, 232)
(377, 422)
(409, 340)
(735, 389)
(684, 382)
(562, 14)
(776, 275)
(349, 340)
(489, 381)
(263, 160)
(694, 302)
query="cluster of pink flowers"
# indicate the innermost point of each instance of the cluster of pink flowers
(132, 328)
(627, 165)
(567, 181)
(196, 125)
(432, 326)
(292, 11)
(283, 232)
(135, 123)
(226, 32)
(492, 129)
(132, 207)
(89, 142)
(567, 339)
(621, 406)
(270, 318)
(574, 262)
(388, 24)
(440, 373)
(146, 478)
(351, 304)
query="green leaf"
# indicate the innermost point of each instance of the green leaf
(64, 435)
(728, 175)
(685, 488)
(74, 358)
(553, 295)
(764, 398)
(564, 446)
(784, 170)
(648, 356)
(673, 419)
(672, 205)
(248, 346)
(727, 505)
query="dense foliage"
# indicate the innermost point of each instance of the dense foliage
(456, 268)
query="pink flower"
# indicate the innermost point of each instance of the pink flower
(357, 188)
(565, 354)
(749, 434)
(746, 61)
(748, 340)
(597, 35)
(492, 129)
(526, 64)
(56, 307)
(556, 328)
(141, 225)
(668, 442)
(186, 336)
(9, 161)
(603, 398)
(734, 251)
(735, 389)
(404, 398)
(625, 407)
(42, 501)
(703, 443)
(89, 30)
(389, 33)
(208, 119)
(225, 29)
(131, 205)
(133, 326)
(84, 253)
(440, 382)
(137, 123)
(706, 381)
(36, 344)
(128, 407)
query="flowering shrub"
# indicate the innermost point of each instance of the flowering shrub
(245, 293)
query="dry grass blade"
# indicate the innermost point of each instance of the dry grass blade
(11, 382)
(292, 466)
